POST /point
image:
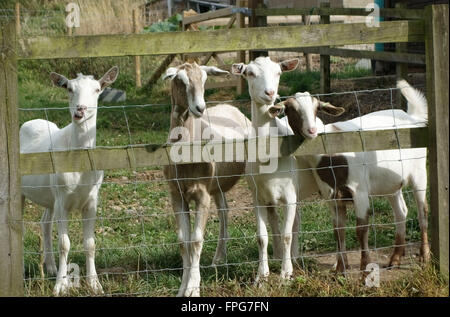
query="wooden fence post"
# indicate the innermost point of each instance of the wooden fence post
(325, 82)
(401, 69)
(436, 44)
(240, 23)
(137, 59)
(306, 19)
(257, 21)
(11, 253)
(17, 14)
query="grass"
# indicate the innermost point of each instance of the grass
(297, 81)
(137, 250)
(96, 17)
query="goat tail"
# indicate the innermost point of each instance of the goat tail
(417, 102)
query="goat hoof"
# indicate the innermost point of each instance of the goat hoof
(61, 287)
(394, 262)
(95, 286)
(286, 276)
(260, 279)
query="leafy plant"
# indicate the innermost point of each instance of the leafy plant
(171, 24)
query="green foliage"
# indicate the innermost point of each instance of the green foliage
(299, 81)
(171, 24)
(350, 71)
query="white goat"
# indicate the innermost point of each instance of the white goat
(286, 185)
(61, 193)
(191, 121)
(353, 177)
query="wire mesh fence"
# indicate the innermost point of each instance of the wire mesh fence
(137, 250)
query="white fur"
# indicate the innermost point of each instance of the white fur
(64, 192)
(282, 188)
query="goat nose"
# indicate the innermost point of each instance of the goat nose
(269, 92)
(200, 109)
(81, 107)
(312, 130)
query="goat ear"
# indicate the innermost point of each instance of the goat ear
(214, 71)
(109, 77)
(290, 64)
(328, 108)
(238, 69)
(171, 72)
(276, 109)
(290, 103)
(59, 80)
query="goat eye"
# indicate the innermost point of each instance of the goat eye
(69, 89)
(97, 90)
(250, 74)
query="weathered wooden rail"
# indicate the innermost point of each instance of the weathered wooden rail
(433, 30)
(156, 155)
(46, 47)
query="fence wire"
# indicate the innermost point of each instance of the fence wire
(137, 251)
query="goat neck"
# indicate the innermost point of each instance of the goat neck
(261, 121)
(83, 135)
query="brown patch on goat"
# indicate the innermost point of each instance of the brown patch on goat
(294, 116)
(399, 250)
(425, 247)
(333, 170)
(339, 222)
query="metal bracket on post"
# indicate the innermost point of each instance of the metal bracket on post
(242, 10)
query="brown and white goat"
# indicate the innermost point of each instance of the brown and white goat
(199, 182)
(353, 177)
